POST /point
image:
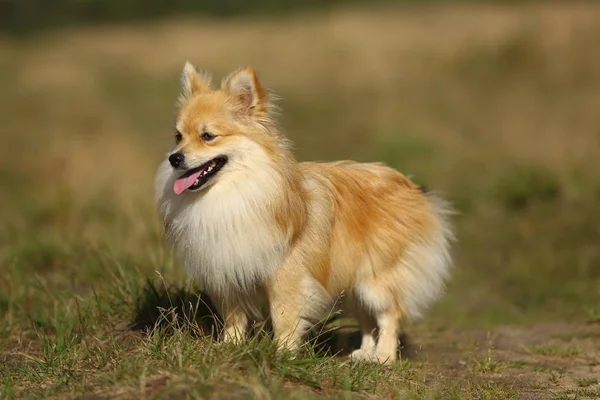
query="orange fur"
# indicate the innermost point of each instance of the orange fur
(302, 234)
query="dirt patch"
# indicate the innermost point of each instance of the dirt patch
(546, 360)
(536, 361)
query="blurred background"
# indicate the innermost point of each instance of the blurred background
(493, 104)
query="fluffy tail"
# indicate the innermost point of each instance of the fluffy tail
(427, 264)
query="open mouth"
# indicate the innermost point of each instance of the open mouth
(195, 178)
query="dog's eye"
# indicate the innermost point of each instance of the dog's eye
(178, 136)
(207, 136)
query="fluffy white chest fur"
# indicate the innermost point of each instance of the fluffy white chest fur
(225, 237)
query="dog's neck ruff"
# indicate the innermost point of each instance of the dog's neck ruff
(227, 236)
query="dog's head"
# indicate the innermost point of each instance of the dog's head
(221, 135)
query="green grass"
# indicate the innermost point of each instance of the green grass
(593, 315)
(488, 364)
(82, 346)
(92, 303)
(544, 350)
(585, 382)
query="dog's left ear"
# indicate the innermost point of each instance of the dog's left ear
(247, 96)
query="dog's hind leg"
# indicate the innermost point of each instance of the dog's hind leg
(388, 323)
(368, 330)
(235, 320)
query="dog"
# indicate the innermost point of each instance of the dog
(252, 224)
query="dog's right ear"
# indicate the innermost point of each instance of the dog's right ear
(193, 81)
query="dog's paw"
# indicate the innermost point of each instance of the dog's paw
(229, 341)
(363, 355)
(372, 356)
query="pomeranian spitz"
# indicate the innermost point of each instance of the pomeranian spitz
(251, 223)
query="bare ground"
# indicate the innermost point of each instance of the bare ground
(537, 361)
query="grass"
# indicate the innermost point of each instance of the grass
(500, 116)
(593, 315)
(586, 382)
(489, 364)
(545, 350)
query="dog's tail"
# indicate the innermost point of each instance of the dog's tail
(427, 263)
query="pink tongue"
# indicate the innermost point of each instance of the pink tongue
(183, 183)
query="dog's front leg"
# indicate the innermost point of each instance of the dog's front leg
(287, 304)
(288, 326)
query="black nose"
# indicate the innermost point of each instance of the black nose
(176, 159)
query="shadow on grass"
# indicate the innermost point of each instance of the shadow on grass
(175, 308)
(172, 308)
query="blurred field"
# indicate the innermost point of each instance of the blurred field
(496, 107)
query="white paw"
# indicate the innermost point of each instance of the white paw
(363, 355)
(231, 339)
(372, 356)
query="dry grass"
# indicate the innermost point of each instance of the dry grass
(496, 106)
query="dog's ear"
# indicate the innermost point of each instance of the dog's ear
(246, 94)
(193, 81)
